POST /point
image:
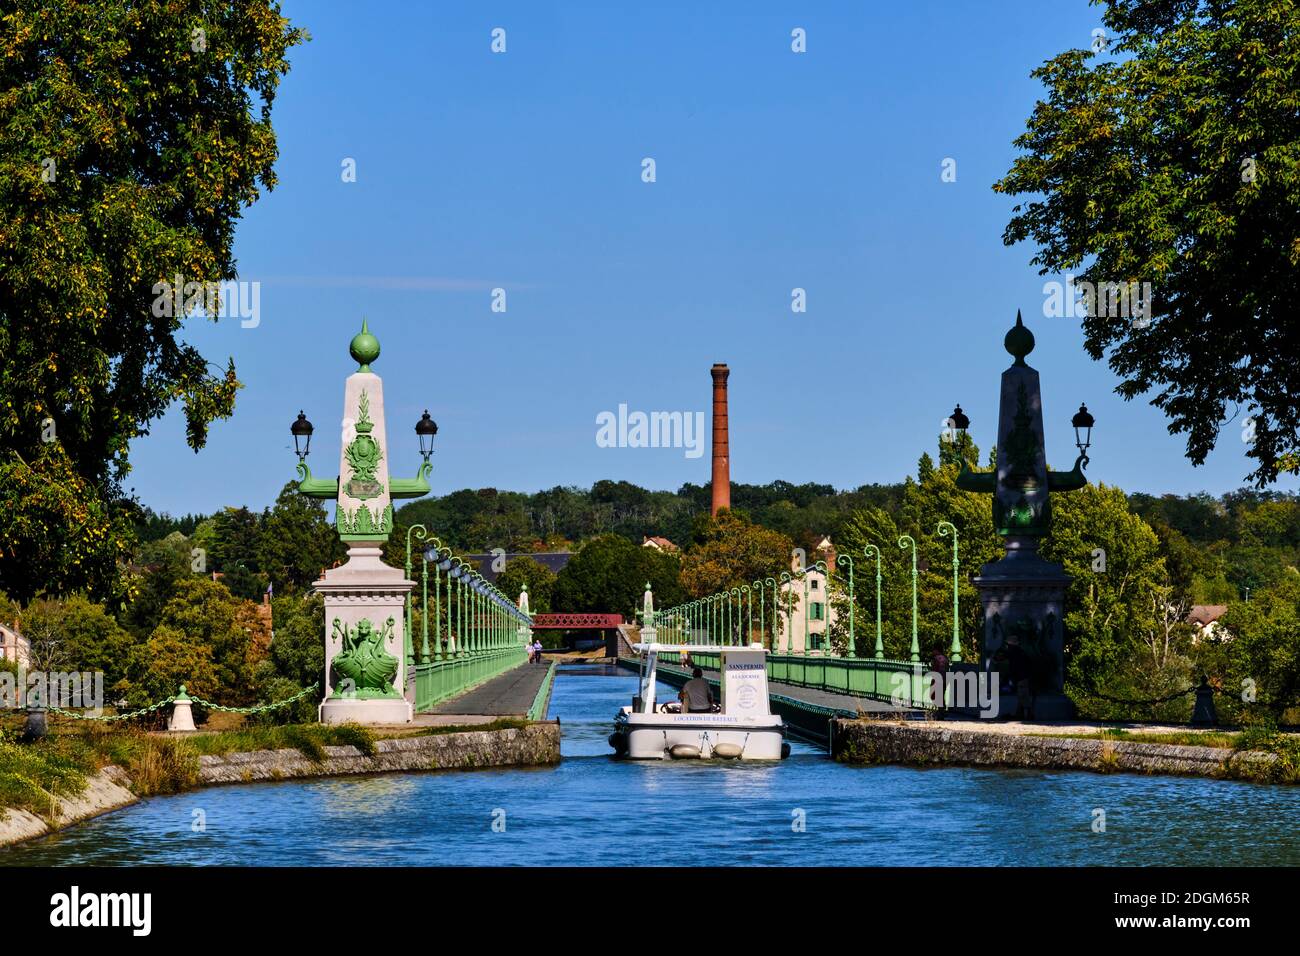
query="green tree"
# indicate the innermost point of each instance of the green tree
(1174, 158)
(609, 574)
(296, 659)
(169, 658)
(1117, 603)
(539, 578)
(731, 551)
(1258, 664)
(297, 542)
(90, 639)
(135, 135)
(159, 567)
(206, 613)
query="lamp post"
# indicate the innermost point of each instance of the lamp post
(424, 606)
(880, 642)
(946, 528)
(904, 542)
(847, 559)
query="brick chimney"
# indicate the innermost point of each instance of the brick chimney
(721, 449)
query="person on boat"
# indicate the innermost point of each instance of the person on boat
(696, 694)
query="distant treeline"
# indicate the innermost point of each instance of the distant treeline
(1216, 547)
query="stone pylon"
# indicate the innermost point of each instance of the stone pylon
(366, 655)
(1022, 594)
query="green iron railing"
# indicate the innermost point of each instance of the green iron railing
(765, 612)
(469, 630)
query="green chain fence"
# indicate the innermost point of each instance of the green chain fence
(184, 697)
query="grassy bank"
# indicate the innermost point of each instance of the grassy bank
(32, 775)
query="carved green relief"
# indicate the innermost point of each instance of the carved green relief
(364, 669)
(363, 455)
(362, 523)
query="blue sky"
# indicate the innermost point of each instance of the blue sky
(775, 170)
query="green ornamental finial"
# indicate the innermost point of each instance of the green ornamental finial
(1019, 341)
(364, 347)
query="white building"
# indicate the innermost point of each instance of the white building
(13, 646)
(811, 616)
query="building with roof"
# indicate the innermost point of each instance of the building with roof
(13, 646)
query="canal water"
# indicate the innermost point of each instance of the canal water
(593, 810)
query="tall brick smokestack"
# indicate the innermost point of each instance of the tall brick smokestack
(721, 449)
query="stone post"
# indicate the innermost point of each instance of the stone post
(1022, 594)
(366, 656)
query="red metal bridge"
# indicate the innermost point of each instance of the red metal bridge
(565, 621)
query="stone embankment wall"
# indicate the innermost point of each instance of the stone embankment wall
(880, 742)
(537, 744)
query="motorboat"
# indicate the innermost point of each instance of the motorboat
(740, 726)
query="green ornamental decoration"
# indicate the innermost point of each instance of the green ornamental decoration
(363, 455)
(362, 522)
(364, 667)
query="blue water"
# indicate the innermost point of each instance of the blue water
(593, 810)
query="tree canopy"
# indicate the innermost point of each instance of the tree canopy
(1172, 157)
(135, 135)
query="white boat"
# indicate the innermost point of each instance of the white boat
(741, 725)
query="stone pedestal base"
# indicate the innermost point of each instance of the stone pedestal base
(385, 711)
(364, 591)
(1023, 598)
(1048, 706)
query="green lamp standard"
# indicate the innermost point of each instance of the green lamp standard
(904, 542)
(880, 643)
(847, 559)
(422, 533)
(946, 528)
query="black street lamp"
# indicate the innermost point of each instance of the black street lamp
(426, 428)
(1083, 422)
(959, 421)
(302, 430)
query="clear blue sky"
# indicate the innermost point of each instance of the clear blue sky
(775, 170)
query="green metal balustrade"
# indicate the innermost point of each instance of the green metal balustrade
(764, 611)
(469, 630)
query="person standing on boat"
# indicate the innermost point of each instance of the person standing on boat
(696, 694)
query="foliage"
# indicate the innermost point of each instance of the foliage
(730, 552)
(539, 578)
(1257, 664)
(205, 638)
(87, 637)
(157, 668)
(297, 542)
(58, 533)
(927, 500)
(296, 658)
(1176, 161)
(1115, 602)
(101, 200)
(609, 574)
